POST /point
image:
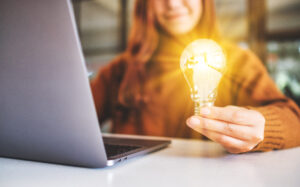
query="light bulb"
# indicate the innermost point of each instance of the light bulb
(203, 64)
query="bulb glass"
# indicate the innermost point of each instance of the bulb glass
(203, 63)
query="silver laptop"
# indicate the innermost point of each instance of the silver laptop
(47, 111)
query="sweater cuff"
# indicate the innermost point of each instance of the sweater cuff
(273, 138)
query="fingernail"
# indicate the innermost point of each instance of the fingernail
(193, 121)
(205, 111)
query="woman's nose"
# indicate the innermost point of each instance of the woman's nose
(174, 3)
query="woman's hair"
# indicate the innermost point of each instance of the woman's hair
(143, 41)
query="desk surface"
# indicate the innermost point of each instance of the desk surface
(184, 163)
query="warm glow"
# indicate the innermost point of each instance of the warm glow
(202, 63)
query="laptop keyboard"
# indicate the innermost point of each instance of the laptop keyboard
(113, 150)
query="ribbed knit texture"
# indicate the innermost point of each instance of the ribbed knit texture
(273, 133)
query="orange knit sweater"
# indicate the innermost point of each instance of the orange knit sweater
(165, 103)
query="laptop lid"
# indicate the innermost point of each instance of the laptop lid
(46, 106)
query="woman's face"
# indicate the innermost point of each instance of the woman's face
(177, 16)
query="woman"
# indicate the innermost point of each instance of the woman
(144, 92)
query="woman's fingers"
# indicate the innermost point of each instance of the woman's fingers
(232, 114)
(231, 144)
(237, 129)
(241, 132)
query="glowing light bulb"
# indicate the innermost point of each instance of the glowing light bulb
(203, 63)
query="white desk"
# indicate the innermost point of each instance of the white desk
(185, 163)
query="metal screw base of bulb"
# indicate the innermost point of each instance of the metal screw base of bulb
(198, 107)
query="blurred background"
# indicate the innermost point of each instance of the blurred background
(270, 28)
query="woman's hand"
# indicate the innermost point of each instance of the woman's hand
(237, 129)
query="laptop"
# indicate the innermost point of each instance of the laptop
(47, 111)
